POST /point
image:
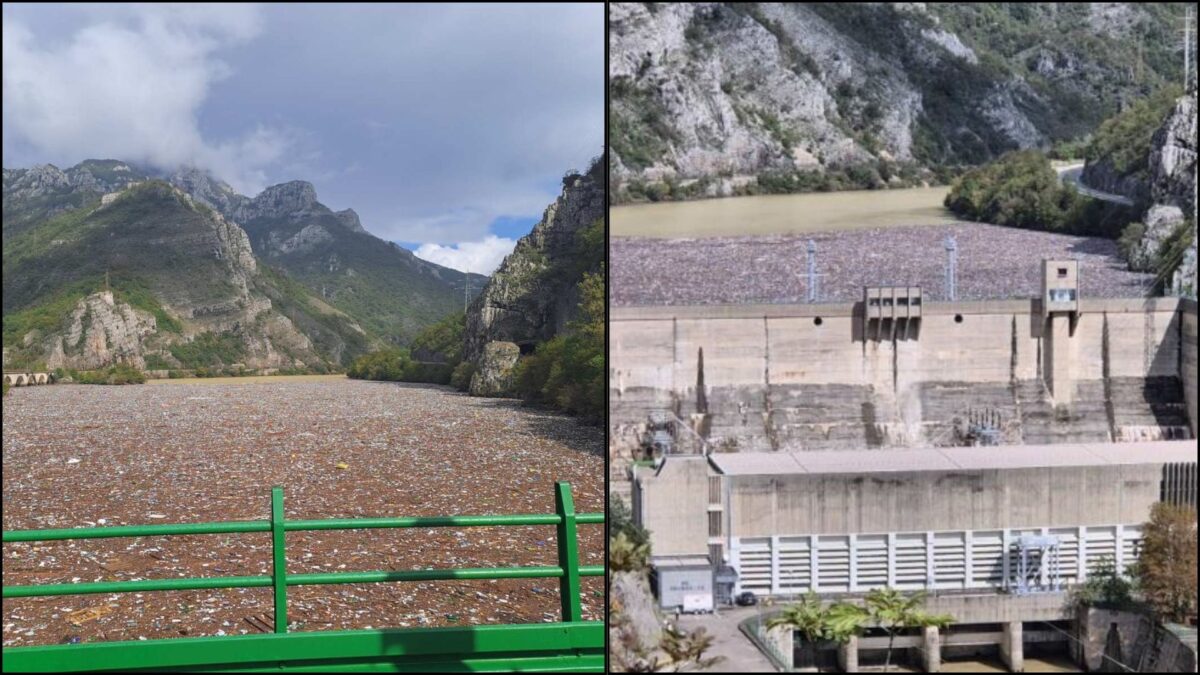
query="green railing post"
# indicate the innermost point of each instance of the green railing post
(568, 553)
(279, 572)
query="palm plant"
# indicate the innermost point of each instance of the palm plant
(837, 622)
(806, 616)
(892, 611)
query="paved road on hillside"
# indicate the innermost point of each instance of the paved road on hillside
(1072, 173)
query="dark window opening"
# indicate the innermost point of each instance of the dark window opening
(1062, 273)
(958, 318)
(902, 301)
(817, 321)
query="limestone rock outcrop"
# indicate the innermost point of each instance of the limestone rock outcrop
(709, 98)
(1173, 187)
(533, 295)
(493, 375)
(100, 332)
(1173, 157)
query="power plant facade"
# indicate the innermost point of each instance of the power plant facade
(1004, 445)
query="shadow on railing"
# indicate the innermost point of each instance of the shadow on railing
(570, 645)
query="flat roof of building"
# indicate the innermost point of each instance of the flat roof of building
(680, 561)
(953, 459)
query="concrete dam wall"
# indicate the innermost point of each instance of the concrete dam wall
(809, 377)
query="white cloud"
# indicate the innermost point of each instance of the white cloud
(129, 84)
(479, 257)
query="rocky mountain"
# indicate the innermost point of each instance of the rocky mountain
(534, 293)
(32, 195)
(1173, 192)
(1148, 153)
(199, 274)
(709, 99)
(149, 276)
(386, 288)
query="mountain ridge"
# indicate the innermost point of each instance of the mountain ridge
(345, 288)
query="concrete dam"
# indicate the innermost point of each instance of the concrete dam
(828, 377)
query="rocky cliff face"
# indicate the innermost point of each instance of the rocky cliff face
(385, 288)
(1101, 176)
(99, 333)
(180, 271)
(1173, 157)
(722, 93)
(45, 191)
(1170, 191)
(533, 295)
(1173, 181)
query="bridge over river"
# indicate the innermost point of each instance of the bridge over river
(23, 378)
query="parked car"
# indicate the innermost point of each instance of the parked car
(746, 599)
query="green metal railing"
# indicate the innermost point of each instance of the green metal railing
(572, 644)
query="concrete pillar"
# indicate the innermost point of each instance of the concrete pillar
(848, 655)
(1058, 358)
(931, 650)
(782, 638)
(1012, 647)
(775, 565)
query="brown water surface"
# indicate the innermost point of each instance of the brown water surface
(779, 214)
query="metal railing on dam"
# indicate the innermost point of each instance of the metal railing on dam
(571, 645)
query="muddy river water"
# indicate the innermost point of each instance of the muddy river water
(778, 214)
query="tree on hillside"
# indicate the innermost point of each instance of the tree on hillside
(1167, 566)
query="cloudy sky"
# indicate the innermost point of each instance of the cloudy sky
(447, 128)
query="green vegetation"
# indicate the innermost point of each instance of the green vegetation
(49, 314)
(442, 341)
(815, 623)
(334, 334)
(1021, 189)
(1166, 569)
(396, 365)
(6, 388)
(1105, 587)
(892, 611)
(157, 362)
(885, 608)
(1170, 255)
(568, 371)
(1123, 141)
(210, 349)
(460, 377)
(882, 174)
(639, 125)
(626, 555)
(379, 286)
(620, 521)
(1069, 150)
(118, 374)
(439, 348)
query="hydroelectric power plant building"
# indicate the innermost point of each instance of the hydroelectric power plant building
(991, 452)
